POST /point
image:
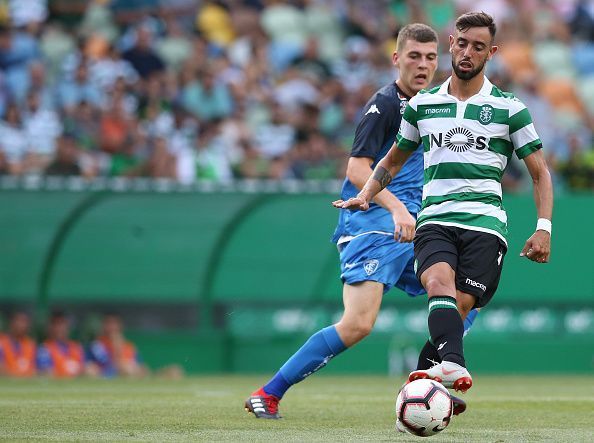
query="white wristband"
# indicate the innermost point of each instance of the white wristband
(544, 225)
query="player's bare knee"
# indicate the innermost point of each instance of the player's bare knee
(360, 329)
(436, 286)
(352, 331)
(363, 328)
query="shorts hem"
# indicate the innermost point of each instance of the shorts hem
(433, 259)
(387, 286)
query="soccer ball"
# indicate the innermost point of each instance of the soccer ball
(424, 407)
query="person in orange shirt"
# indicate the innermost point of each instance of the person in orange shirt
(112, 354)
(17, 349)
(59, 356)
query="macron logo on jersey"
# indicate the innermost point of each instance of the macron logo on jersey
(372, 110)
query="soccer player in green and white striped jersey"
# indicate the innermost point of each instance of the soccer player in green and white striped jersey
(470, 129)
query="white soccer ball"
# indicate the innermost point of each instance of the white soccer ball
(424, 407)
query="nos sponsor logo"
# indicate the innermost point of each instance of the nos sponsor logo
(458, 140)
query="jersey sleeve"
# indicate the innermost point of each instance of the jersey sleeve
(373, 128)
(521, 130)
(408, 137)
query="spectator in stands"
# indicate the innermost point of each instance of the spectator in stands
(59, 356)
(310, 63)
(128, 12)
(214, 21)
(37, 82)
(66, 161)
(116, 126)
(112, 354)
(315, 158)
(161, 163)
(29, 14)
(144, 59)
(354, 69)
(275, 137)
(17, 50)
(206, 97)
(316, 62)
(13, 139)
(175, 47)
(83, 125)
(17, 349)
(42, 127)
(79, 89)
(107, 70)
(4, 165)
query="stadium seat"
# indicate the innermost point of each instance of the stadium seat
(561, 94)
(586, 93)
(554, 60)
(518, 59)
(582, 54)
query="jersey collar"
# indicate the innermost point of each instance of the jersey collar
(401, 93)
(485, 89)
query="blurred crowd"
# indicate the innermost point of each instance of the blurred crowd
(107, 354)
(216, 90)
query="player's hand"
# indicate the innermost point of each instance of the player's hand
(404, 226)
(354, 204)
(538, 247)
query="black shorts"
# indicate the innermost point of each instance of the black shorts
(476, 257)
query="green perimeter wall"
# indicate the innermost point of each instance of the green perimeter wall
(258, 270)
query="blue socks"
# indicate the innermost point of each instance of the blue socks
(469, 320)
(313, 355)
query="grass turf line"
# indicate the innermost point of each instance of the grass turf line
(323, 408)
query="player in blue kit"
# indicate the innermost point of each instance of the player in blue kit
(375, 246)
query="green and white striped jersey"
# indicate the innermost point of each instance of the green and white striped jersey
(467, 147)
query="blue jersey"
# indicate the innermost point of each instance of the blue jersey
(374, 136)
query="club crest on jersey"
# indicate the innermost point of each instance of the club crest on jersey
(458, 140)
(370, 266)
(403, 103)
(372, 110)
(486, 114)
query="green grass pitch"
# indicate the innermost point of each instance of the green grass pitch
(323, 408)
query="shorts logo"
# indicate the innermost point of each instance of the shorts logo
(486, 114)
(370, 266)
(476, 284)
(416, 265)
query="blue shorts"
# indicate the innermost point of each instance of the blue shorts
(377, 257)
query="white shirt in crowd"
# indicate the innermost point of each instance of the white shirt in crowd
(42, 128)
(23, 12)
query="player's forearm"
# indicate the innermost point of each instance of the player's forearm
(359, 175)
(543, 193)
(382, 175)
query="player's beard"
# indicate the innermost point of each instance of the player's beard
(467, 75)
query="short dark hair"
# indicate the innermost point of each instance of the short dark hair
(476, 20)
(417, 32)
